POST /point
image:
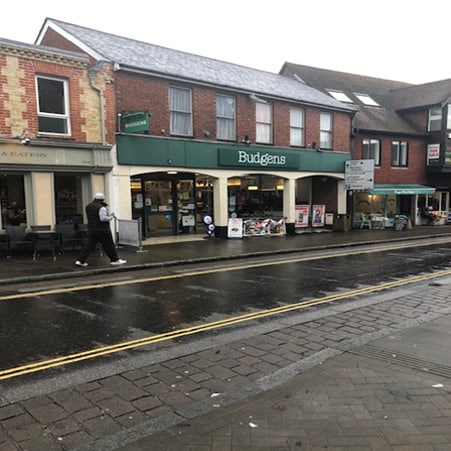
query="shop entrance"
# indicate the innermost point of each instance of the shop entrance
(166, 203)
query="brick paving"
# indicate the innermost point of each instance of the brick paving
(298, 383)
(319, 379)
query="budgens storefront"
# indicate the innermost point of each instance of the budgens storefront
(172, 184)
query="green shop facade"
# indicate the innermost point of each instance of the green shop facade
(171, 184)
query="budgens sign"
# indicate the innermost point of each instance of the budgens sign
(258, 159)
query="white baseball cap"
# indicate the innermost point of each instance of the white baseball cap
(99, 196)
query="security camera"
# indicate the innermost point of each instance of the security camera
(25, 141)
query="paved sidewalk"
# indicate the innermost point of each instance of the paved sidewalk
(370, 373)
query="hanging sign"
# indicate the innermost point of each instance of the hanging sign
(136, 122)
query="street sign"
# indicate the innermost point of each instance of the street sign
(359, 174)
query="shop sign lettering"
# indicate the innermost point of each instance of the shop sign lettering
(261, 159)
(257, 159)
(28, 154)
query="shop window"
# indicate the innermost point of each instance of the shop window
(258, 195)
(181, 122)
(53, 105)
(325, 131)
(12, 199)
(225, 117)
(371, 150)
(399, 153)
(68, 199)
(296, 127)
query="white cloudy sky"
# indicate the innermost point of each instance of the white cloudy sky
(404, 40)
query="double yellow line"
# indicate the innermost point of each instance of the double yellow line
(112, 349)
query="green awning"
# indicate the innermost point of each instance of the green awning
(401, 189)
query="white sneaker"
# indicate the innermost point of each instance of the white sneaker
(118, 262)
(79, 263)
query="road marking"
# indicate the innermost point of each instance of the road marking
(116, 283)
(120, 347)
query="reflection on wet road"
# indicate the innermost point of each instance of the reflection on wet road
(73, 320)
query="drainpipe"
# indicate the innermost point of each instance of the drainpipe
(92, 75)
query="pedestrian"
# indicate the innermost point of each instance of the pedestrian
(99, 232)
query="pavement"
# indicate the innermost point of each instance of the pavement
(371, 373)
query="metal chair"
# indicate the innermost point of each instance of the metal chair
(18, 238)
(365, 221)
(69, 235)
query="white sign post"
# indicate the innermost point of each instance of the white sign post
(359, 174)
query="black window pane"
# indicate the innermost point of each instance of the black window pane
(52, 125)
(51, 96)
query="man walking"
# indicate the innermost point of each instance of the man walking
(99, 232)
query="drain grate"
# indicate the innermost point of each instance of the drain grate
(405, 360)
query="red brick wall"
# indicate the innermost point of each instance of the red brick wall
(413, 173)
(144, 93)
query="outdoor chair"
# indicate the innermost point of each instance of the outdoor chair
(365, 221)
(69, 235)
(18, 238)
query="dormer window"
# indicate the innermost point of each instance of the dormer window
(340, 96)
(366, 99)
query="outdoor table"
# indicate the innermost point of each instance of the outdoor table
(37, 236)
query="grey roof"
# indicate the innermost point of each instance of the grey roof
(389, 94)
(137, 55)
(43, 49)
(421, 96)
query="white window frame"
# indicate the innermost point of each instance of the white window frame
(399, 154)
(366, 99)
(325, 132)
(263, 119)
(435, 119)
(181, 111)
(50, 117)
(340, 96)
(297, 127)
(225, 117)
(371, 150)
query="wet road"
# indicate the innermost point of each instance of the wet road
(57, 321)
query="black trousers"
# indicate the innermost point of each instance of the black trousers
(105, 238)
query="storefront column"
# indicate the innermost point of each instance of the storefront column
(341, 197)
(289, 201)
(220, 210)
(43, 199)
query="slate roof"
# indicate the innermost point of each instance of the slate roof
(423, 96)
(138, 55)
(392, 96)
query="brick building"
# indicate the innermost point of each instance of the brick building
(53, 148)
(199, 137)
(406, 130)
